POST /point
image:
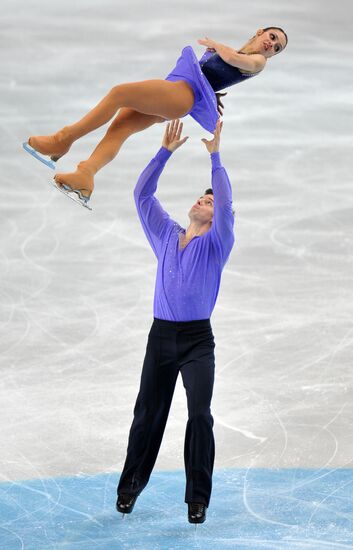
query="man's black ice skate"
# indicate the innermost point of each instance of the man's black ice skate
(196, 512)
(125, 503)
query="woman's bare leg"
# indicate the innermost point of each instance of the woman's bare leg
(127, 122)
(161, 98)
(152, 97)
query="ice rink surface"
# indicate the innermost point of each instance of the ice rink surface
(77, 287)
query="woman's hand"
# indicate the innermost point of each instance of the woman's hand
(220, 105)
(208, 42)
(172, 134)
(212, 145)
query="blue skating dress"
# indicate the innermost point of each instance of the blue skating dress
(206, 76)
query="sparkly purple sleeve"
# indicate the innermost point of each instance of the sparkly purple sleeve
(153, 218)
(223, 217)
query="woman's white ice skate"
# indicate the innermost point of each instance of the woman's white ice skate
(74, 194)
(45, 160)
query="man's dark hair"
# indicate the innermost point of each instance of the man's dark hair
(278, 29)
(209, 191)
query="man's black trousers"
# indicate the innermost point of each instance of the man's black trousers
(187, 347)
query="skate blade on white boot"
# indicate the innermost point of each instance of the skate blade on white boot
(38, 156)
(74, 194)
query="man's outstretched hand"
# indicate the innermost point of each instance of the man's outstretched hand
(212, 145)
(172, 135)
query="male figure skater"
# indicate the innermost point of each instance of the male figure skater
(190, 264)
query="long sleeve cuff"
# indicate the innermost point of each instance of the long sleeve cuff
(163, 155)
(216, 160)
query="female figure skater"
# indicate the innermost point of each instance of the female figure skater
(188, 90)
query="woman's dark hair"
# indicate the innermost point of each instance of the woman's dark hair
(278, 29)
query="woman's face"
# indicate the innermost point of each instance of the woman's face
(270, 42)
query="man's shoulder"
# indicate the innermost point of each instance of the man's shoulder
(176, 227)
(172, 228)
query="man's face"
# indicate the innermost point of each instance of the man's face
(202, 211)
(270, 42)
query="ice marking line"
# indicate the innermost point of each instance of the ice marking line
(271, 543)
(324, 385)
(340, 346)
(31, 237)
(335, 416)
(84, 533)
(284, 432)
(21, 338)
(226, 365)
(242, 455)
(37, 491)
(101, 232)
(315, 477)
(252, 512)
(246, 276)
(50, 500)
(245, 433)
(308, 365)
(319, 505)
(14, 534)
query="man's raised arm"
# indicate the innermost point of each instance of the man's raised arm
(223, 217)
(153, 218)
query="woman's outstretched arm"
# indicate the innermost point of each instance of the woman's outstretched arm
(252, 63)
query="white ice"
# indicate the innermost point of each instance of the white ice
(77, 287)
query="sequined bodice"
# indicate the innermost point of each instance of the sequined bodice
(219, 73)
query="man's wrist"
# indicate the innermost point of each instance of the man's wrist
(216, 160)
(163, 155)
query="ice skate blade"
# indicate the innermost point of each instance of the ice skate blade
(74, 195)
(38, 156)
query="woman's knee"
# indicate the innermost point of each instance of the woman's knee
(114, 90)
(130, 122)
(119, 93)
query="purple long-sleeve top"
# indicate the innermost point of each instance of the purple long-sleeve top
(188, 278)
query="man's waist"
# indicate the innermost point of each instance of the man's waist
(197, 323)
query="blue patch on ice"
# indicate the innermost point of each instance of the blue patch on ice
(250, 509)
